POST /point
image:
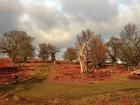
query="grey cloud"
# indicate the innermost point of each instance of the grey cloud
(97, 15)
(45, 18)
(10, 11)
(45, 24)
(97, 10)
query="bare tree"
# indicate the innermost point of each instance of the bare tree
(70, 54)
(16, 44)
(53, 51)
(98, 51)
(112, 49)
(46, 51)
(82, 44)
(25, 48)
(129, 48)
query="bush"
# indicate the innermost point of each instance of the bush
(134, 77)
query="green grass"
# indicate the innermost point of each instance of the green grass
(42, 89)
(51, 91)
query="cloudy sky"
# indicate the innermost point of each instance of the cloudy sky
(59, 21)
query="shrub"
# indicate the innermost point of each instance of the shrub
(134, 77)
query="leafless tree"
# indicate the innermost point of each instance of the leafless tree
(82, 44)
(53, 50)
(129, 50)
(25, 48)
(46, 51)
(98, 51)
(112, 49)
(17, 44)
(70, 54)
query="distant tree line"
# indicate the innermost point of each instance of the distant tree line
(17, 45)
(90, 49)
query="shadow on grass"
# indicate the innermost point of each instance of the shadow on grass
(37, 76)
(130, 89)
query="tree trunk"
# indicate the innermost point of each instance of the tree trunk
(114, 60)
(82, 56)
(114, 64)
(82, 64)
(53, 58)
(46, 60)
(11, 60)
(25, 59)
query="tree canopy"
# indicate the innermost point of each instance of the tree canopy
(70, 54)
(113, 49)
(46, 51)
(97, 53)
(129, 50)
(17, 44)
(91, 49)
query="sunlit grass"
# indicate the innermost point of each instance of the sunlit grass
(48, 91)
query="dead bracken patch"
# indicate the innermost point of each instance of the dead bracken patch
(10, 73)
(71, 73)
(63, 72)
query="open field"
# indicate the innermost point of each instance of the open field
(38, 83)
